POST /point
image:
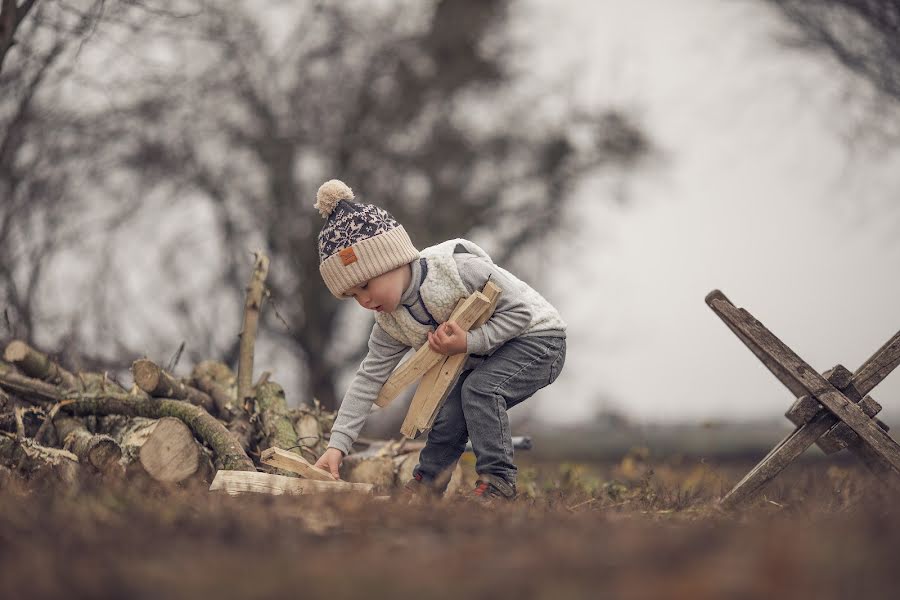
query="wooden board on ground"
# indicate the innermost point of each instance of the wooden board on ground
(425, 358)
(240, 482)
(282, 459)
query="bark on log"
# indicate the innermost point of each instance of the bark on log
(164, 449)
(38, 462)
(275, 427)
(310, 436)
(217, 380)
(37, 364)
(97, 450)
(157, 382)
(28, 388)
(255, 292)
(224, 444)
(379, 471)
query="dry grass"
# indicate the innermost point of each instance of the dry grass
(627, 530)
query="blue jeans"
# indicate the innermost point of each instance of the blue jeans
(476, 407)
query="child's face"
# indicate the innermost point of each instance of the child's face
(382, 293)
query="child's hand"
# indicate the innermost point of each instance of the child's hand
(449, 338)
(331, 461)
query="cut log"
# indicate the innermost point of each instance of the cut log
(310, 435)
(255, 293)
(171, 454)
(151, 378)
(377, 470)
(99, 451)
(37, 364)
(293, 463)
(425, 358)
(217, 380)
(275, 427)
(235, 482)
(28, 388)
(38, 462)
(205, 427)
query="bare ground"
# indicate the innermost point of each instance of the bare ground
(629, 530)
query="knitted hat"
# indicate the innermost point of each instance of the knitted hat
(358, 241)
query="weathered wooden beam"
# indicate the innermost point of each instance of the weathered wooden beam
(288, 461)
(713, 300)
(425, 358)
(878, 366)
(841, 436)
(803, 410)
(240, 482)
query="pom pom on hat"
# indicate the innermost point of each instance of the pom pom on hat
(330, 193)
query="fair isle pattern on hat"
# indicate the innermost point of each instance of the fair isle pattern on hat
(359, 241)
(350, 223)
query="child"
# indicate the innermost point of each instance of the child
(366, 255)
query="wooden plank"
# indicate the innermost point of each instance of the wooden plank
(425, 358)
(803, 410)
(713, 300)
(813, 382)
(775, 462)
(282, 459)
(878, 366)
(424, 415)
(408, 428)
(841, 436)
(438, 395)
(240, 482)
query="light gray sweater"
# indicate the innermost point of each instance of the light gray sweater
(512, 317)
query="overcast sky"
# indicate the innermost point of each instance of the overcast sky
(758, 194)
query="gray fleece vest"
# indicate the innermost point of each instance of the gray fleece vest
(443, 288)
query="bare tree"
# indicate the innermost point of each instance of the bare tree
(862, 35)
(388, 102)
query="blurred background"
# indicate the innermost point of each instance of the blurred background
(623, 158)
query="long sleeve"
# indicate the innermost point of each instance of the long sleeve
(512, 314)
(384, 354)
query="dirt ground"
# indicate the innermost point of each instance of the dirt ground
(635, 529)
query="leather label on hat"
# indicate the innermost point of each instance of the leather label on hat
(348, 256)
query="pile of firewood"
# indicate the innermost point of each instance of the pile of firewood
(62, 426)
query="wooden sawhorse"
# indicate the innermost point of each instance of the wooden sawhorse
(832, 410)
